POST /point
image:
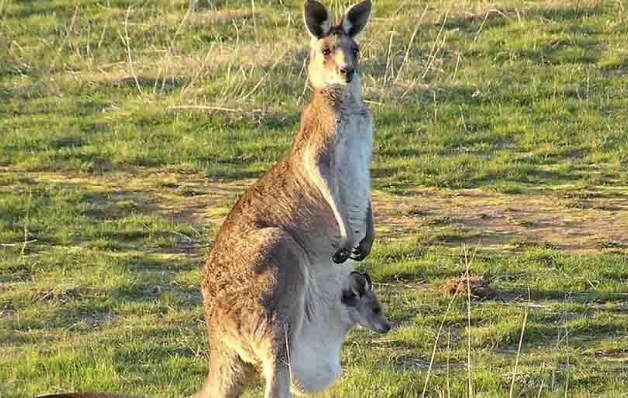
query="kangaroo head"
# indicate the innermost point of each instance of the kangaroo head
(362, 303)
(334, 52)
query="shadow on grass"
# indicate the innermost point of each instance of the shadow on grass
(499, 17)
(616, 68)
(556, 52)
(521, 296)
(167, 84)
(31, 8)
(469, 24)
(566, 13)
(117, 204)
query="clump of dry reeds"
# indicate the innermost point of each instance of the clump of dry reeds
(477, 286)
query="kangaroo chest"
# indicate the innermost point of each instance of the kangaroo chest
(353, 157)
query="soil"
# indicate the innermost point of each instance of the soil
(583, 222)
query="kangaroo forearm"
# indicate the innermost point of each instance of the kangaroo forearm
(370, 224)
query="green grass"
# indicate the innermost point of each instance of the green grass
(501, 126)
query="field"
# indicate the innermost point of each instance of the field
(129, 128)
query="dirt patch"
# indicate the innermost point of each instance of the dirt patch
(585, 222)
(509, 222)
(186, 198)
(62, 294)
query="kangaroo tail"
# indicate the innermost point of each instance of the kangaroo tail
(87, 395)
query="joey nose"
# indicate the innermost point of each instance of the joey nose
(386, 328)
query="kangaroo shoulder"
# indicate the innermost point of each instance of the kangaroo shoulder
(318, 133)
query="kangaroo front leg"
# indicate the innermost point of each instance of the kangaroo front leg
(322, 172)
(364, 247)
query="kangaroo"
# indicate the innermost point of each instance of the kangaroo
(315, 356)
(309, 211)
(273, 263)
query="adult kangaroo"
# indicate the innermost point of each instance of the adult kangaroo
(271, 277)
(272, 263)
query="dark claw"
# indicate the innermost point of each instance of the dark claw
(362, 251)
(341, 256)
(358, 254)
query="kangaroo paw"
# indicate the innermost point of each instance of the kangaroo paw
(341, 256)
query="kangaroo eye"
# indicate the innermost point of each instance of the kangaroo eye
(376, 311)
(356, 52)
(326, 52)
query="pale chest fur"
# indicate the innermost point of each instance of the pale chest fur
(353, 153)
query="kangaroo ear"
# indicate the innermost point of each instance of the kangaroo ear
(355, 18)
(317, 20)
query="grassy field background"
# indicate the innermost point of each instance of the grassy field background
(129, 128)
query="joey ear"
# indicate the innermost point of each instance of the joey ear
(369, 281)
(359, 283)
(317, 20)
(355, 18)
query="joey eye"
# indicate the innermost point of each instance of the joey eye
(326, 52)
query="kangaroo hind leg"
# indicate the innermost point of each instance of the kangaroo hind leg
(227, 375)
(288, 264)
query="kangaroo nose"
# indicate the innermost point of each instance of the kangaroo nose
(347, 72)
(386, 328)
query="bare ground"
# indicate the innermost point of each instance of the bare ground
(591, 222)
(577, 223)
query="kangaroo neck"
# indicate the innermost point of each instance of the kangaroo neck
(340, 97)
